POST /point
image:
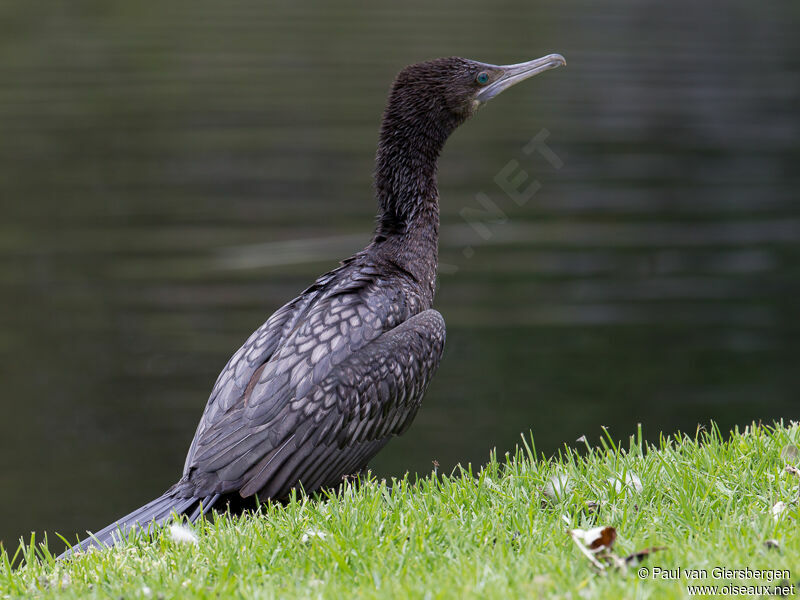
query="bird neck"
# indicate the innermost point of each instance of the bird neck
(414, 251)
(411, 140)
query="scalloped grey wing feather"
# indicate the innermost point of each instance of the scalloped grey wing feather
(341, 424)
(307, 338)
(232, 381)
(337, 425)
(329, 332)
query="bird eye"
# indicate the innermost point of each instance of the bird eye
(482, 78)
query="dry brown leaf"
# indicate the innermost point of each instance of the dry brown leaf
(595, 542)
(605, 538)
(640, 555)
(595, 539)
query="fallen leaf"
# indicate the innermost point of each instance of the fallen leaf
(604, 538)
(640, 555)
(595, 539)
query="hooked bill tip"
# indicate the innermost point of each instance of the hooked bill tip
(513, 74)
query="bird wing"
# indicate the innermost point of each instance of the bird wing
(331, 393)
(233, 380)
(354, 411)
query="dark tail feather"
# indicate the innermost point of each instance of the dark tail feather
(203, 507)
(158, 511)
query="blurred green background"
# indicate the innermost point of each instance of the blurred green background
(172, 172)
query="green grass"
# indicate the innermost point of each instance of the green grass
(492, 534)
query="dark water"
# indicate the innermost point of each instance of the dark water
(170, 173)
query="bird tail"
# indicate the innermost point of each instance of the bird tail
(158, 511)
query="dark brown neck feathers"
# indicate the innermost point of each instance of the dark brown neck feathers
(416, 125)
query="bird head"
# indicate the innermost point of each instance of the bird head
(456, 87)
(428, 101)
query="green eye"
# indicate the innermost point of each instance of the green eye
(482, 78)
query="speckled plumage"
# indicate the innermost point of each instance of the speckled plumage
(319, 388)
(331, 376)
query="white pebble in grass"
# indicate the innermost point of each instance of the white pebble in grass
(182, 534)
(631, 481)
(778, 509)
(312, 533)
(558, 488)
